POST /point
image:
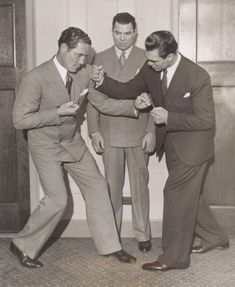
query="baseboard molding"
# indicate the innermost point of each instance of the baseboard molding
(79, 228)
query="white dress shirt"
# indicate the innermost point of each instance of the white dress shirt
(119, 52)
(171, 70)
(62, 71)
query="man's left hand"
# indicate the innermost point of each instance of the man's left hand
(148, 142)
(159, 115)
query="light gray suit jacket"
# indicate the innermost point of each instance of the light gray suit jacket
(41, 92)
(118, 131)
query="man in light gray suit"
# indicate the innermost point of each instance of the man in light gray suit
(46, 106)
(123, 140)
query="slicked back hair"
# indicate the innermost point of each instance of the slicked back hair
(164, 41)
(124, 18)
(71, 36)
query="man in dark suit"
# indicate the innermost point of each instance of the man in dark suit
(184, 116)
(46, 106)
(123, 140)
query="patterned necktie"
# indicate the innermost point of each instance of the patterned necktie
(69, 82)
(122, 59)
(164, 82)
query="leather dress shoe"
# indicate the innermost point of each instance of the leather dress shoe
(122, 256)
(159, 266)
(23, 258)
(200, 249)
(156, 266)
(145, 246)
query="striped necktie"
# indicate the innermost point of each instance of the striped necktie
(164, 82)
(69, 81)
(122, 59)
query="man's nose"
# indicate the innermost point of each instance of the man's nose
(81, 60)
(123, 37)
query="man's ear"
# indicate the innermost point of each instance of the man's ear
(136, 34)
(64, 47)
(171, 57)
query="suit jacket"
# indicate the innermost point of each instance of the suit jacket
(40, 93)
(118, 131)
(189, 101)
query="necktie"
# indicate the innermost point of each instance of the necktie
(69, 82)
(164, 82)
(122, 59)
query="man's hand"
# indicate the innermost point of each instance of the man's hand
(159, 115)
(97, 74)
(68, 109)
(148, 143)
(142, 101)
(97, 142)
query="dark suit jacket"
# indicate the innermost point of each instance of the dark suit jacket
(189, 101)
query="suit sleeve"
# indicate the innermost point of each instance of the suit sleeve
(202, 116)
(26, 113)
(128, 90)
(109, 106)
(93, 119)
(151, 126)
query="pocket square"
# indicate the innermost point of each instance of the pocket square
(186, 95)
(82, 96)
(137, 71)
(84, 92)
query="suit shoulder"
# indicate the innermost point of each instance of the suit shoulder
(38, 72)
(195, 68)
(104, 54)
(139, 50)
(139, 55)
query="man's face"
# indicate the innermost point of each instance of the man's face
(123, 36)
(74, 59)
(156, 62)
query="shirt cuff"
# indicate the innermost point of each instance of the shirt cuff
(136, 112)
(97, 84)
(96, 133)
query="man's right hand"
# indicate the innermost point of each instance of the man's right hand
(97, 142)
(97, 74)
(143, 101)
(68, 109)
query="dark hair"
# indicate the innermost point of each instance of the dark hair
(124, 18)
(164, 41)
(71, 36)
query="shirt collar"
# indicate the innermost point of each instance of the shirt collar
(171, 70)
(119, 52)
(62, 71)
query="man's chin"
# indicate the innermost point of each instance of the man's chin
(75, 70)
(156, 70)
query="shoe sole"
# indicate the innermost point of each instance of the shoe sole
(166, 269)
(14, 252)
(220, 248)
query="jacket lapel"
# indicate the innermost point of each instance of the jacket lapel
(80, 85)
(176, 85)
(56, 83)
